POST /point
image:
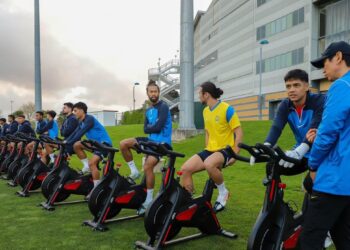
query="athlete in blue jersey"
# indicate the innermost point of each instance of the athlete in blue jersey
(158, 126)
(302, 110)
(93, 130)
(51, 129)
(70, 122)
(40, 123)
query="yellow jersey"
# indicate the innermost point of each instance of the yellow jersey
(220, 122)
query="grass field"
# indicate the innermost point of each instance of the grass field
(24, 225)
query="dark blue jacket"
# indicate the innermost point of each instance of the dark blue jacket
(330, 154)
(158, 123)
(26, 128)
(12, 129)
(310, 118)
(93, 130)
(41, 127)
(4, 129)
(69, 125)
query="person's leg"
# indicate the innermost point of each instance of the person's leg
(148, 167)
(49, 151)
(191, 166)
(340, 232)
(79, 150)
(44, 154)
(322, 213)
(125, 148)
(213, 165)
(93, 163)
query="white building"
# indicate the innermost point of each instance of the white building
(105, 117)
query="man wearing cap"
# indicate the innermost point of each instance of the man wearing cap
(329, 160)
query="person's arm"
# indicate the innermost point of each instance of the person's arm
(42, 127)
(335, 113)
(145, 123)
(279, 122)
(88, 124)
(71, 125)
(163, 113)
(316, 117)
(13, 128)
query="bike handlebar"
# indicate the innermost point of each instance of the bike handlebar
(156, 149)
(95, 145)
(47, 139)
(27, 137)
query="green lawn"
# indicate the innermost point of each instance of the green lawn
(24, 225)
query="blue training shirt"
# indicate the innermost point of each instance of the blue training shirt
(158, 123)
(330, 154)
(69, 125)
(310, 118)
(93, 130)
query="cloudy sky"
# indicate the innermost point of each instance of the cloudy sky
(91, 50)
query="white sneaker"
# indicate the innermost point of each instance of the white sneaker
(141, 211)
(328, 241)
(221, 201)
(135, 175)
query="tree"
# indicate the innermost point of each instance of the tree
(28, 109)
(18, 112)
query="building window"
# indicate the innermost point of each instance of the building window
(334, 24)
(280, 25)
(212, 57)
(281, 61)
(261, 2)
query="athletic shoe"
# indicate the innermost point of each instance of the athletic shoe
(328, 242)
(141, 211)
(135, 175)
(221, 202)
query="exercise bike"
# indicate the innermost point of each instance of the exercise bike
(114, 193)
(174, 207)
(278, 226)
(63, 181)
(19, 161)
(31, 176)
(4, 149)
(13, 158)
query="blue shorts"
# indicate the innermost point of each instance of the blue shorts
(227, 155)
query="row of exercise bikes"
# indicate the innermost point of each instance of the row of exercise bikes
(278, 226)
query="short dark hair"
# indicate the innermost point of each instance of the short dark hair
(21, 116)
(3, 119)
(11, 116)
(51, 113)
(81, 105)
(152, 83)
(209, 87)
(346, 59)
(40, 113)
(297, 74)
(68, 104)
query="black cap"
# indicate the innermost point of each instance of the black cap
(331, 50)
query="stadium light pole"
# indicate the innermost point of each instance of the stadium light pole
(262, 43)
(133, 94)
(38, 101)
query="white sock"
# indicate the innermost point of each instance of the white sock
(96, 182)
(149, 196)
(221, 188)
(52, 157)
(132, 167)
(85, 165)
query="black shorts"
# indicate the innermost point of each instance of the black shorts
(146, 139)
(101, 153)
(227, 156)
